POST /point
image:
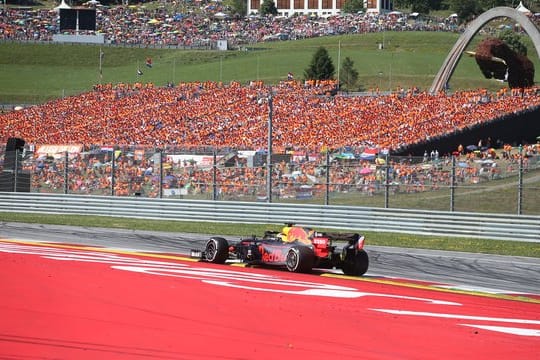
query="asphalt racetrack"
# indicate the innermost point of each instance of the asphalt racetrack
(490, 273)
(75, 293)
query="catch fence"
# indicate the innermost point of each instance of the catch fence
(478, 181)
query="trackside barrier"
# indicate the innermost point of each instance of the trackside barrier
(419, 222)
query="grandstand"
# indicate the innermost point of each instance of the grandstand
(305, 116)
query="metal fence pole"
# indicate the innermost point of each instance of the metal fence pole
(160, 152)
(214, 177)
(386, 182)
(520, 183)
(269, 155)
(113, 173)
(16, 171)
(66, 176)
(327, 187)
(453, 184)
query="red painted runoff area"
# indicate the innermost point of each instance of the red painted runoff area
(79, 303)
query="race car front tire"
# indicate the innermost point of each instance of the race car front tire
(300, 259)
(216, 250)
(356, 264)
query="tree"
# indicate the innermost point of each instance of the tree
(352, 6)
(348, 75)
(482, 5)
(237, 6)
(513, 40)
(466, 9)
(321, 66)
(268, 7)
(421, 6)
(488, 4)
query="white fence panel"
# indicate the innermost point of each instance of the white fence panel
(421, 222)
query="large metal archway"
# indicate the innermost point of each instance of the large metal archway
(449, 65)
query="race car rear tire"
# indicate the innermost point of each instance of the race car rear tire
(216, 250)
(300, 259)
(356, 264)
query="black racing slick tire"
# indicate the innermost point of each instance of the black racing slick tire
(356, 264)
(216, 250)
(300, 259)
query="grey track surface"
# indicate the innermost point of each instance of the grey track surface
(504, 274)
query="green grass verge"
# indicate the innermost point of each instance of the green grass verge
(34, 73)
(514, 248)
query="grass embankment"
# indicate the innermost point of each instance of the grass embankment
(34, 73)
(500, 247)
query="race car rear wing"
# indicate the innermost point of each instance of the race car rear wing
(351, 238)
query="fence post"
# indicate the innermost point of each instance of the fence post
(214, 177)
(160, 152)
(452, 183)
(386, 181)
(327, 187)
(520, 183)
(16, 171)
(269, 155)
(66, 175)
(113, 173)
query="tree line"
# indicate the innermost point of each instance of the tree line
(465, 9)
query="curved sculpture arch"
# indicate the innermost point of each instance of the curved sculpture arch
(449, 65)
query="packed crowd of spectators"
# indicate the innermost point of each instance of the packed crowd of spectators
(235, 116)
(202, 26)
(306, 120)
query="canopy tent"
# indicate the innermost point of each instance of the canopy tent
(522, 9)
(62, 5)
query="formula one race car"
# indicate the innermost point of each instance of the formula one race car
(299, 249)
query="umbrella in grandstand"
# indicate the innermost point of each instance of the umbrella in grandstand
(365, 171)
(345, 156)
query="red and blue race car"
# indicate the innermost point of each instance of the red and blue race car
(297, 248)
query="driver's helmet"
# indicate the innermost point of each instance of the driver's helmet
(284, 235)
(285, 230)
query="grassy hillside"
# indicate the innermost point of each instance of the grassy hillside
(33, 73)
